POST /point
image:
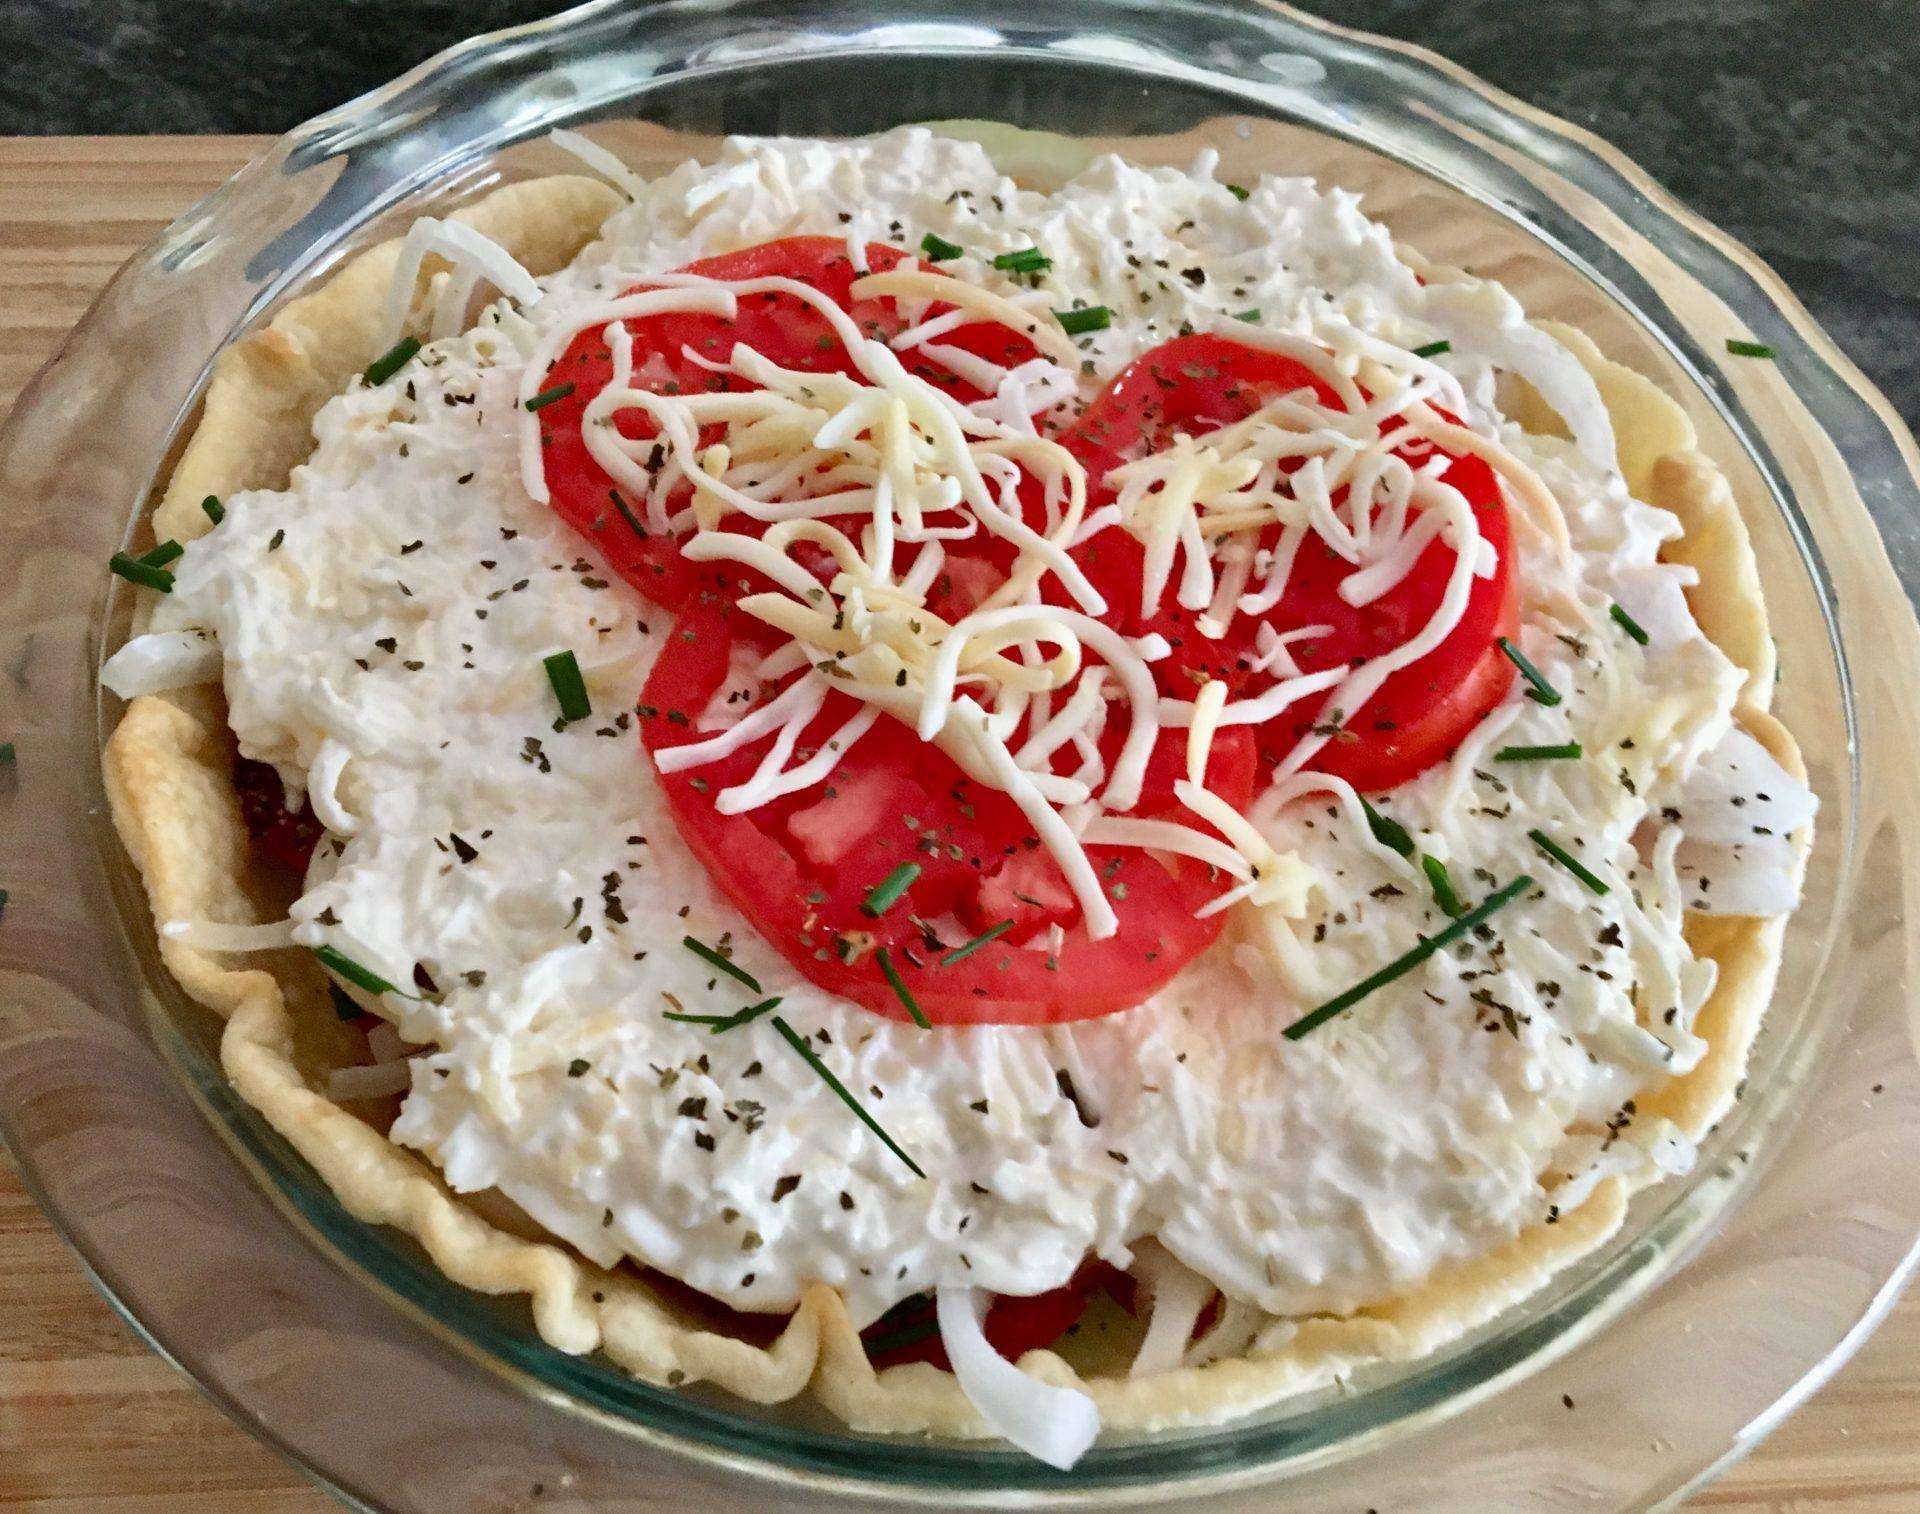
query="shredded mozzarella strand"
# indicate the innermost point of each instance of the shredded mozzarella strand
(472, 254)
(600, 160)
(980, 303)
(710, 300)
(1205, 721)
(875, 464)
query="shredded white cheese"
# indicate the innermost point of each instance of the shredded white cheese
(1425, 1126)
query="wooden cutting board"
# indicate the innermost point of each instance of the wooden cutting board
(92, 1422)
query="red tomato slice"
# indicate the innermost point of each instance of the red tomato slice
(1196, 384)
(285, 837)
(800, 867)
(1013, 1326)
(781, 327)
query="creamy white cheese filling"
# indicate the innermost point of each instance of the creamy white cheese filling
(382, 623)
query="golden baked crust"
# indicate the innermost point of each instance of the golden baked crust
(169, 777)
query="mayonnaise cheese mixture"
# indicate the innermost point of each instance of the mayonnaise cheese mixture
(382, 622)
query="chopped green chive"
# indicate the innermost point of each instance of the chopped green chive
(1023, 260)
(551, 396)
(1251, 317)
(1542, 692)
(1433, 349)
(627, 515)
(7, 755)
(1628, 624)
(391, 361)
(939, 249)
(741, 1017)
(1566, 859)
(1748, 349)
(1079, 322)
(1442, 884)
(725, 964)
(216, 512)
(360, 977)
(715, 1021)
(886, 893)
(134, 571)
(1406, 962)
(163, 554)
(1389, 832)
(900, 989)
(1538, 753)
(563, 672)
(806, 1053)
(967, 948)
(1238, 191)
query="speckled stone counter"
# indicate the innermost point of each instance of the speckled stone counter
(1795, 126)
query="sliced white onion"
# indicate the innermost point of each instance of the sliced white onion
(162, 660)
(1633, 1046)
(219, 936)
(1588, 1160)
(1177, 1294)
(1657, 601)
(1483, 320)
(1054, 1424)
(386, 1044)
(1668, 1147)
(1738, 795)
(380, 1081)
(1274, 1337)
(1738, 880)
(1232, 1333)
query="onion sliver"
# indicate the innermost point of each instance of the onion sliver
(220, 936)
(1054, 1424)
(162, 660)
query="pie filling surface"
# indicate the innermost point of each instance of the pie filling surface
(887, 728)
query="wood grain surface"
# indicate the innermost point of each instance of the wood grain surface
(90, 1420)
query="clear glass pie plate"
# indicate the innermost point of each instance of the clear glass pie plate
(1730, 1295)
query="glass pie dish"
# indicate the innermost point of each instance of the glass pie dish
(1728, 1296)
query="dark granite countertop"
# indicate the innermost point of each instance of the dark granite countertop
(1793, 124)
